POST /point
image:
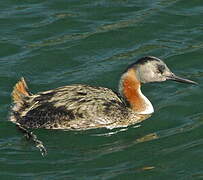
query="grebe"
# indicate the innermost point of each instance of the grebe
(81, 107)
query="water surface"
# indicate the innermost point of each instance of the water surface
(58, 42)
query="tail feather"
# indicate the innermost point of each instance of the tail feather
(20, 91)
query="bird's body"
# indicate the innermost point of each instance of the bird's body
(81, 107)
(74, 107)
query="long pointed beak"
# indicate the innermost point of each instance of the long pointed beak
(173, 77)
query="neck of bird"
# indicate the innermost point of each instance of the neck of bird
(130, 90)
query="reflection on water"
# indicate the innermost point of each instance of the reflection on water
(196, 121)
(147, 137)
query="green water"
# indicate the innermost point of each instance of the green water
(58, 42)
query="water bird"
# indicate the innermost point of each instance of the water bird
(82, 107)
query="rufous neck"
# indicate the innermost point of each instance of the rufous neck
(130, 91)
